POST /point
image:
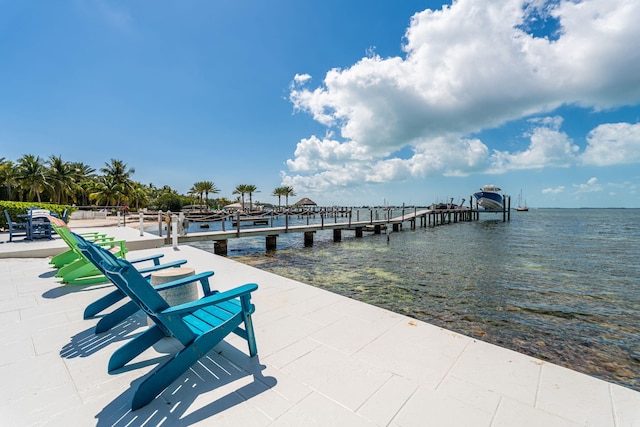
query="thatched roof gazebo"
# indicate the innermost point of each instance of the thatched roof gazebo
(305, 202)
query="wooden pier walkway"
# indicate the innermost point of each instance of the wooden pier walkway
(417, 218)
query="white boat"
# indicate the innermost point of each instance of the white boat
(521, 207)
(489, 198)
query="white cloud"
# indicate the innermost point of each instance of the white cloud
(301, 78)
(331, 163)
(548, 147)
(316, 154)
(613, 143)
(553, 190)
(590, 186)
(469, 67)
(449, 156)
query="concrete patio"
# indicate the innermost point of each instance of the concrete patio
(323, 360)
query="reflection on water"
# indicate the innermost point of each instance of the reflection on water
(559, 284)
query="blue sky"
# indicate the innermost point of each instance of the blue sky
(353, 102)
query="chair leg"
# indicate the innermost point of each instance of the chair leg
(86, 280)
(85, 271)
(63, 259)
(112, 319)
(164, 375)
(247, 309)
(79, 263)
(251, 337)
(135, 347)
(102, 303)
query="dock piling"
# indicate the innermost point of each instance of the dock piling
(308, 239)
(271, 242)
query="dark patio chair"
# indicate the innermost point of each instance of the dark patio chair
(16, 229)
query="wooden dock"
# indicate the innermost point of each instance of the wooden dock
(417, 218)
(254, 220)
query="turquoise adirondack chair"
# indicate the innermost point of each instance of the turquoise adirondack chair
(198, 325)
(111, 319)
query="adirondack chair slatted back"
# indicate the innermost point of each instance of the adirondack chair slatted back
(108, 264)
(151, 301)
(72, 239)
(80, 270)
(64, 233)
(131, 282)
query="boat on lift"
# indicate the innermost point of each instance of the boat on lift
(489, 198)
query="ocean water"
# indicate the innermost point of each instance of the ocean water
(562, 285)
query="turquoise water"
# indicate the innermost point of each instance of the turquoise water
(562, 285)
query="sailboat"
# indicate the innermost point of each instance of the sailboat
(521, 207)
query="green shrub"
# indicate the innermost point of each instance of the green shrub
(20, 208)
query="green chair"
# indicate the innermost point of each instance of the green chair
(70, 255)
(81, 270)
(198, 325)
(61, 228)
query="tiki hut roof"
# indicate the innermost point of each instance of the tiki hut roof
(306, 202)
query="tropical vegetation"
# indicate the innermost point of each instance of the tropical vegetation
(33, 180)
(280, 192)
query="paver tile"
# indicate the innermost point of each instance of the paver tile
(338, 376)
(323, 359)
(430, 408)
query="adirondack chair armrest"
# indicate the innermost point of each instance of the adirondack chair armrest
(89, 233)
(203, 278)
(94, 237)
(112, 243)
(155, 258)
(243, 291)
(146, 271)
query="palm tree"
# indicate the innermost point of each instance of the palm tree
(61, 176)
(279, 192)
(196, 193)
(242, 190)
(139, 195)
(204, 187)
(105, 191)
(208, 187)
(120, 175)
(288, 191)
(250, 189)
(83, 176)
(8, 176)
(32, 175)
(118, 170)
